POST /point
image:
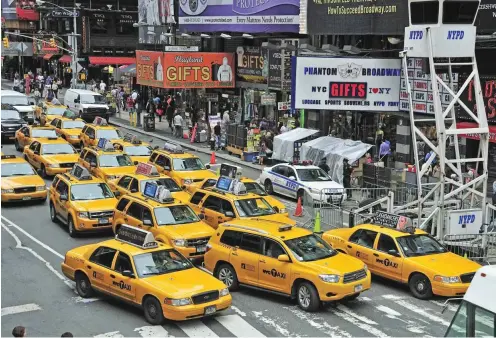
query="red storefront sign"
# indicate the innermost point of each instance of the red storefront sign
(488, 84)
(466, 125)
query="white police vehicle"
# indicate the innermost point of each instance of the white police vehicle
(294, 180)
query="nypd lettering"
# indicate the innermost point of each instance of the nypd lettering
(416, 35)
(466, 219)
(455, 35)
(274, 273)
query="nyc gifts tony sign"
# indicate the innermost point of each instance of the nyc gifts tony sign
(346, 84)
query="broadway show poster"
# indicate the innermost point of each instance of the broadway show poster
(149, 68)
(199, 70)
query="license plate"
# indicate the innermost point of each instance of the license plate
(11, 137)
(358, 288)
(27, 198)
(210, 309)
(103, 220)
(202, 248)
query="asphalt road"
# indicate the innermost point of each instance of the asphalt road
(36, 295)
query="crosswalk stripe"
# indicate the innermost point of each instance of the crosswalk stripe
(356, 315)
(113, 334)
(196, 329)
(417, 310)
(152, 331)
(238, 326)
(11, 310)
(373, 331)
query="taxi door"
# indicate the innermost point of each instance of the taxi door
(134, 215)
(245, 259)
(99, 266)
(34, 154)
(23, 139)
(273, 274)
(121, 185)
(123, 286)
(212, 206)
(388, 259)
(361, 246)
(61, 206)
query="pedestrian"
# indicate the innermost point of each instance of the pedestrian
(368, 158)
(297, 122)
(37, 94)
(103, 87)
(55, 87)
(170, 113)
(194, 115)
(262, 151)
(17, 84)
(217, 132)
(67, 334)
(281, 128)
(161, 108)
(347, 170)
(384, 152)
(178, 125)
(19, 331)
(324, 166)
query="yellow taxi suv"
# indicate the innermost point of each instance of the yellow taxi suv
(406, 255)
(153, 276)
(20, 182)
(27, 134)
(147, 173)
(51, 156)
(69, 129)
(285, 260)
(92, 133)
(105, 162)
(138, 150)
(170, 221)
(82, 202)
(184, 168)
(47, 111)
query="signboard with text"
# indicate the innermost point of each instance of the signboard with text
(149, 68)
(488, 84)
(486, 17)
(252, 65)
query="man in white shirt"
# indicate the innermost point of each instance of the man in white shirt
(178, 124)
(224, 74)
(103, 86)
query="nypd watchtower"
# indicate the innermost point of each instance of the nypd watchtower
(441, 36)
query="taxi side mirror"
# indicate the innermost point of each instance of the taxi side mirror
(136, 162)
(207, 166)
(117, 193)
(283, 258)
(128, 273)
(93, 164)
(64, 198)
(229, 214)
(91, 137)
(394, 253)
(201, 216)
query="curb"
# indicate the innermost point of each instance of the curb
(186, 145)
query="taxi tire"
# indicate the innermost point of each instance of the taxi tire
(228, 269)
(83, 285)
(53, 213)
(307, 289)
(268, 187)
(153, 311)
(71, 228)
(414, 283)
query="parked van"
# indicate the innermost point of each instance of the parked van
(23, 104)
(87, 104)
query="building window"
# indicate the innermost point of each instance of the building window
(124, 24)
(99, 23)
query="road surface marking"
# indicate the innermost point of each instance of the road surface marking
(364, 326)
(12, 310)
(319, 323)
(450, 307)
(238, 326)
(113, 334)
(260, 316)
(152, 331)
(356, 315)
(238, 311)
(196, 329)
(411, 326)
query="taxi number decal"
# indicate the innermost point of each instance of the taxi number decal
(97, 275)
(247, 267)
(274, 273)
(291, 185)
(122, 285)
(77, 259)
(362, 255)
(387, 262)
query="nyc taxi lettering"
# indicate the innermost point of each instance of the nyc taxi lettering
(387, 262)
(122, 285)
(97, 275)
(274, 273)
(247, 267)
(291, 185)
(77, 259)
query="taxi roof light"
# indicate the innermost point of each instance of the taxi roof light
(6, 157)
(146, 169)
(98, 121)
(392, 221)
(132, 139)
(105, 145)
(81, 173)
(285, 228)
(137, 237)
(173, 148)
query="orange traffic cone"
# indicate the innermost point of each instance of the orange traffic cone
(299, 209)
(212, 158)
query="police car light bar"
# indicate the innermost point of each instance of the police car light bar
(146, 169)
(137, 237)
(80, 172)
(98, 121)
(6, 157)
(173, 148)
(392, 221)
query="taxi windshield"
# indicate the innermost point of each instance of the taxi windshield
(254, 188)
(43, 133)
(174, 215)
(160, 262)
(109, 134)
(59, 111)
(73, 124)
(168, 183)
(117, 160)
(420, 245)
(253, 207)
(312, 175)
(57, 148)
(138, 151)
(89, 192)
(17, 169)
(188, 164)
(310, 248)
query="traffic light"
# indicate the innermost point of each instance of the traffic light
(6, 42)
(53, 43)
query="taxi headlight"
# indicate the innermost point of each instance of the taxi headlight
(41, 188)
(365, 268)
(178, 302)
(447, 280)
(74, 137)
(54, 165)
(187, 181)
(329, 278)
(84, 214)
(7, 191)
(179, 242)
(224, 292)
(282, 210)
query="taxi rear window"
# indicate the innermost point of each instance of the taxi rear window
(231, 238)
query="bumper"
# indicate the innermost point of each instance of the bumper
(335, 291)
(449, 290)
(83, 224)
(67, 271)
(190, 252)
(338, 198)
(55, 171)
(30, 196)
(195, 311)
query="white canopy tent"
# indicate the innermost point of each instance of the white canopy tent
(284, 143)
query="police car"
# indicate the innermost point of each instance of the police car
(296, 179)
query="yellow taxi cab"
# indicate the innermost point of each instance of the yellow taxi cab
(138, 150)
(69, 128)
(83, 202)
(135, 268)
(93, 132)
(47, 111)
(184, 168)
(27, 134)
(251, 186)
(135, 183)
(105, 162)
(170, 221)
(394, 249)
(286, 260)
(227, 201)
(51, 156)
(20, 182)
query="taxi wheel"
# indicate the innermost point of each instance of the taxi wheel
(420, 286)
(43, 171)
(153, 311)
(71, 227)
(226, 274)
(53, 213)
(307, 297)
(268, 187)
(83, 285)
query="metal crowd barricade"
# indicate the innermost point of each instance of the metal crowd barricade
(477, 247)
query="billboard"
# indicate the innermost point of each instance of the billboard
(486, 17)
(346, 84)
(149, 68)
(153, 17)
(488, 85)
(252, 64)
(9, 9)
(355, 17)
(239, 16)
(199, 70)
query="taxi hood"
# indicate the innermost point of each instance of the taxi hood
(141, 159)
(446, 264)
(277, 218)
(61, 158)
(120, 171)
(21, 181)
(188, 231)
(323, 185)
(195, 174)
(107, 204)
(338, 264)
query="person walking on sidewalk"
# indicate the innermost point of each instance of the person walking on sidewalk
(178, 125)
(170, 113)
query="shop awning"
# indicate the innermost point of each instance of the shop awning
(467, 125)
(128, 69)
(111, 60)
(65, 59)
(47, 56)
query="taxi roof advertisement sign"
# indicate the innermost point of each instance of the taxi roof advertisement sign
(149, 68)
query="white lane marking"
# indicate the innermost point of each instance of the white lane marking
(356, 315)
(319, 323)
(238, 326)
(418, 310)
(80, 299)
(260, 316)
(364, 326)
(388, 311)
(153, 331)
(411, 325)
(238, 311)
(12, 310)
(113, 334)
(196, 329)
